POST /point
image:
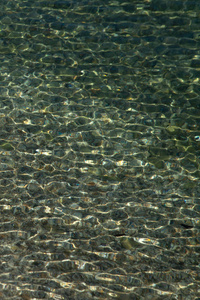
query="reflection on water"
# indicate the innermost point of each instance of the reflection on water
(99, 149)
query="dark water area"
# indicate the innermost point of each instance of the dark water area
(100, 150)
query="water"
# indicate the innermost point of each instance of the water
(99, 149)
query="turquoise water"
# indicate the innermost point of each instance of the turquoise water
(99, 149)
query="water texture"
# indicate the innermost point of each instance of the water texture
(100, 149)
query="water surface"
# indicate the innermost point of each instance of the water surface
(99, 149)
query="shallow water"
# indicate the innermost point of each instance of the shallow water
(99, 149)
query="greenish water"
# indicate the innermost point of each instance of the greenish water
(99, 149)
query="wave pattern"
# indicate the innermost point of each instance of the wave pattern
(99, 150)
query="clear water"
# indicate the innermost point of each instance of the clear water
(99, 149)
